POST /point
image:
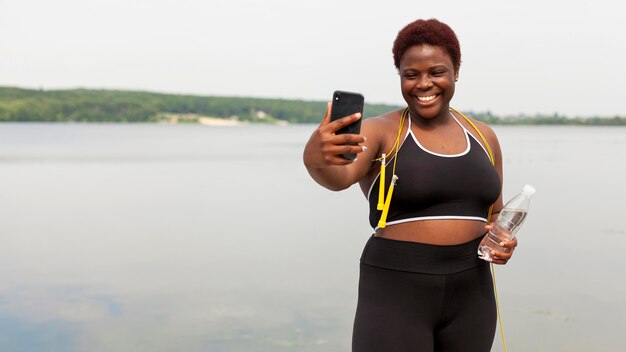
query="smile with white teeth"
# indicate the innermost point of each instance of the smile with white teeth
(428, 98)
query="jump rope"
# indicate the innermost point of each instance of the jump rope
(384, 202)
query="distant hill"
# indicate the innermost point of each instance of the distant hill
(94, 105)
(88, 105)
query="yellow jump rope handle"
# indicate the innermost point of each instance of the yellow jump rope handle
(381, 180)
(383, 217)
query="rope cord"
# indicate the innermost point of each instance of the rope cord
(383, 203)
(493, 271)
(397, 144)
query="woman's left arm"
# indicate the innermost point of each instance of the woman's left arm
(498, 257)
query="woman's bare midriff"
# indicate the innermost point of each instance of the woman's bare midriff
(438, 232)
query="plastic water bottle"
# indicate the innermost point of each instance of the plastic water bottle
(507, 224)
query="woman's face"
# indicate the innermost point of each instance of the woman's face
(427, 78)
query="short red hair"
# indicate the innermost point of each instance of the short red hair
(430, 32)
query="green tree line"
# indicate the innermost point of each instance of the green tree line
(92, 105)
(88, 105)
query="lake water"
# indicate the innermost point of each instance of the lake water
(196, 238)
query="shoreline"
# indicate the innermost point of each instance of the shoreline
(173, 119)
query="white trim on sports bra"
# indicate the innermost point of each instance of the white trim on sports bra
(467, 142)
(439, 217)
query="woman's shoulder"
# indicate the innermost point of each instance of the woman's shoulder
(377, 129)
(386, 120)
(472, 124)
(485, 129)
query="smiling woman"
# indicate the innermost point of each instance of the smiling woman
(422, 286)
(427, 80)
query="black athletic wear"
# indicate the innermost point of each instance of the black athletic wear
(438, 186)
(416, 297)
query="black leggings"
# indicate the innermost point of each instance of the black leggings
(419, 297)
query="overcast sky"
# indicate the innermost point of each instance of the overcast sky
(518, 57)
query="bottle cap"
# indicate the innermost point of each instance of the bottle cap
(529, 190)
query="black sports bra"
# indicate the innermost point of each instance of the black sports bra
(438, 186)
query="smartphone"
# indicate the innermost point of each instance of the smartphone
(344, 104)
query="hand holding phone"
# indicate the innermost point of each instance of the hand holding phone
(344, 104)
(336, 142)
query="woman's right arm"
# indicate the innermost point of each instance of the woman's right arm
(322, 153)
